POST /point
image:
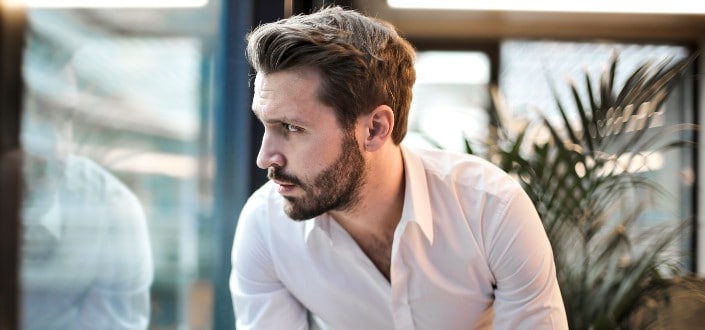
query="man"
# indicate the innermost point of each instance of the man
(86, 255)
(356, 231)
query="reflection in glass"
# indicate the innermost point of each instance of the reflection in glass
(86, 261)
(116, 131)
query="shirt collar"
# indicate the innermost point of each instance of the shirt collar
(51, 220)
(317, 222)
(48, 222)
(417, 202)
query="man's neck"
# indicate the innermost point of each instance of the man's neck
(372, 222)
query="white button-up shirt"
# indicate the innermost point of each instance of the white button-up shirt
(469, 252)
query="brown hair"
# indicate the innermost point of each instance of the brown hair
(363, 61)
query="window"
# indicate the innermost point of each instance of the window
(116, 133)
(451, 100)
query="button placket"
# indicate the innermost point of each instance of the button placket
(400, 291)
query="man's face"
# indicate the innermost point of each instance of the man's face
(317, 166)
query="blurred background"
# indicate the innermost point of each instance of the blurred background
(147, 103)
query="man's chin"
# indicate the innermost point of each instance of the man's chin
(298, 214)
(297, 217)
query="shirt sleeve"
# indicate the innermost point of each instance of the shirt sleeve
(260, 299)
(527, 295)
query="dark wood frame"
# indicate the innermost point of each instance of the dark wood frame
(12, 38)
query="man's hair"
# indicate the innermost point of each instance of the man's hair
(362, 61)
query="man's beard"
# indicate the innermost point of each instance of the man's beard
(337, 187)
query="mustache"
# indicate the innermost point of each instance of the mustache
(276, 173)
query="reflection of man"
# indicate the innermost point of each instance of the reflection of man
(87, 261)
(384, 237)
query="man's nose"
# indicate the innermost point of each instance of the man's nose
(269, 154)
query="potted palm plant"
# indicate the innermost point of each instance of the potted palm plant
(590, 201)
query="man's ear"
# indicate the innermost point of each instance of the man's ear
(378, 127)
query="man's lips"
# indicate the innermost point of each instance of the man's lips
(284, 187)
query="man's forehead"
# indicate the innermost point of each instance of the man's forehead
(286, 95)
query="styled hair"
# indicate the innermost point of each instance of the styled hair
(363, 62)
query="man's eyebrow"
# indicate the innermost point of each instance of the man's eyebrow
(288, 120)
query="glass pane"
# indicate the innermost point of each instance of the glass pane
(117, 168)
(450, 100)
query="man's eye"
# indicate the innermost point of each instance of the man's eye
(292, 128)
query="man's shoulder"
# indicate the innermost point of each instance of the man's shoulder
(265, 206)
(264, 196)
(263, 219)
(86, 181)
(464, 170)
(441, 157)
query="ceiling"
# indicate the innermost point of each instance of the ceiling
(450, 24)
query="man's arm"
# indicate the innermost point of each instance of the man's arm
(260, 300)
(527, 294)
